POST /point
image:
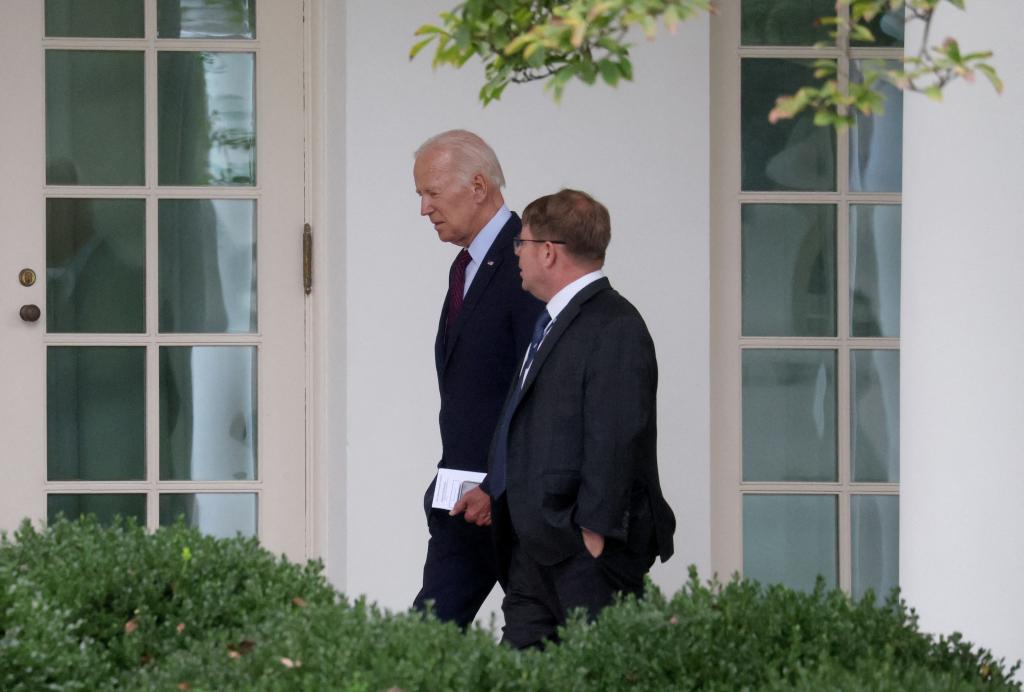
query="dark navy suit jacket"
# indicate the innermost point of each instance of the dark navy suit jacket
(477, 360)
(582, 443)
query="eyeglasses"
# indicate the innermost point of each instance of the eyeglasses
(517, 242)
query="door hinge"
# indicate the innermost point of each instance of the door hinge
(307, 258)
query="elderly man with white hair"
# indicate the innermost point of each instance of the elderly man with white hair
(485, 326)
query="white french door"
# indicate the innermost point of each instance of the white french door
(152, 315)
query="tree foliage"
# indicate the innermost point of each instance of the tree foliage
(927, 71)
(527, 40)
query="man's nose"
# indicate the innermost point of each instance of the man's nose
(425, 206)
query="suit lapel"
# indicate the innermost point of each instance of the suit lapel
(558, 327)
(496, 255)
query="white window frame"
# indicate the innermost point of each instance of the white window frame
(727, 343)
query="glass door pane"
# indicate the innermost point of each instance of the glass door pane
(95, 18)
(206, 19)
(785, 22)
(207, 119)
(791, 155)
(208, 413)
(95, 265)
(875, 270)
(95, 413)
(223, 515)
(791, 539)
(95, 117)
(789, 415)
(104, 506)
(207, 271)
(789, 269)
(875, 415)
(875, 537)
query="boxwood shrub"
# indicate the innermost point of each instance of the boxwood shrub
(86, 607)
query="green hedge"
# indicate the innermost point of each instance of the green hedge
(86, 607)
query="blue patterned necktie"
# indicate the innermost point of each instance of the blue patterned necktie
(496, 480)
(543, 319)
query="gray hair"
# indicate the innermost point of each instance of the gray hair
(470, 154)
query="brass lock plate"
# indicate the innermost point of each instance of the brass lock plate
(26, 277)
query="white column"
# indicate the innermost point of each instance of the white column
(962, 504)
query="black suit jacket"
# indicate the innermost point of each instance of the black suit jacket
(582, 442)
(477, 360)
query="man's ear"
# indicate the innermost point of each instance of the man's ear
(480, 186)
(549, 256)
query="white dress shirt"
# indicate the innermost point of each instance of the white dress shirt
(482, 243)
(556, 305)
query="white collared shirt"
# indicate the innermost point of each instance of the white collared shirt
(568, 292)
(482, 244)
(556, 305)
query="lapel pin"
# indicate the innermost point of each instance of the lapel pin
(490, 263)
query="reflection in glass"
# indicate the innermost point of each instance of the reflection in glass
(208, 413)
(791, 539)
(887, 28)
(95, 18)
(222, 515)
(207, 265)
(789, 269)
(876, 141)
(875, 407)
(94, 118)
(789, 415)
(786, 22)
(791, 154)
(95, 265)
(875, 537)
(95, 413)
(105, 507)
(206, 119)
(206, 18)
(875, 270)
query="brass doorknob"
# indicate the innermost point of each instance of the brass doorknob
(30, 313)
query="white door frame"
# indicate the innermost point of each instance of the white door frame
(283, 175)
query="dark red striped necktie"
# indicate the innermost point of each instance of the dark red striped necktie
(457, 286)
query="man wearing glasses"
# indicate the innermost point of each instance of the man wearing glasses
(578, 510)
(484, 328)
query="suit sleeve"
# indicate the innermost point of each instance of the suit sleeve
(619, 424)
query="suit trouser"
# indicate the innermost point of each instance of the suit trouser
(460, 570)
(538, 597)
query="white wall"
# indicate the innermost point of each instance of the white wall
(641, 149)
(962, 505)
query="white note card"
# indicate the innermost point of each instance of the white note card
(451, 484)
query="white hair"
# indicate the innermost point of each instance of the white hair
(470, 155)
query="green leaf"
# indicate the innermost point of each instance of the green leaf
(428, 29)
(535, 55)
(587, 71)
(650, 26)
(626, 68)
(518, 43)
(609, 72)
(859, 32)
(462, 36)
(417, 47)
(992, 76)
